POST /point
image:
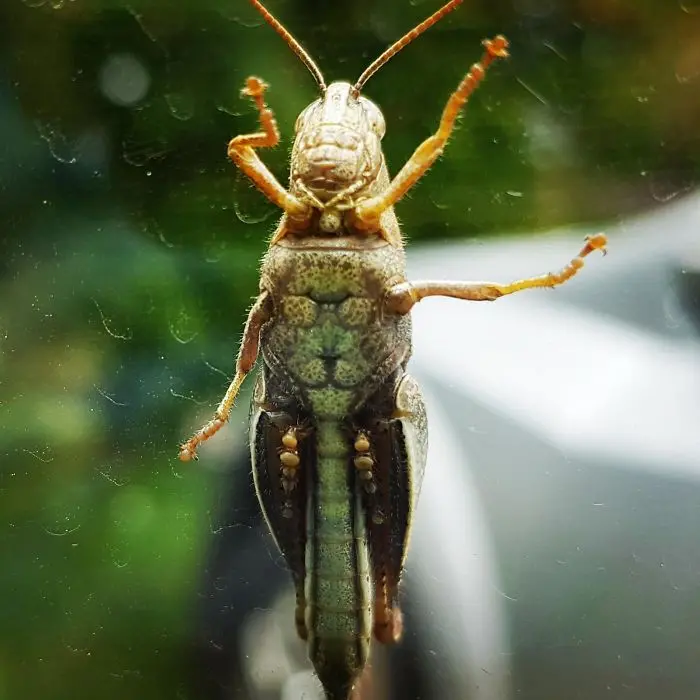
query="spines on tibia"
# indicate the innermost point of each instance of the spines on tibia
(338, 590)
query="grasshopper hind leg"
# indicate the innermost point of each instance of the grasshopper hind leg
(391, 447)
(280, 456)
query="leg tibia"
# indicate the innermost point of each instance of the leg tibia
(247, 356)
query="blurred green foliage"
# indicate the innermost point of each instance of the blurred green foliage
(130, 247)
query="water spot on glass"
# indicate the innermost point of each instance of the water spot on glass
(249, 214)
(154, 229)
(181, 105)
(109, 398)
(249, 19)
(59, 146)
(217, 370)
(138, 16)
(44, 456)
(249, 206)
(108, 472)
(684, 78)
(119, 563)
(63, 526)
(123, 79)
(118, 334)
(532, 91)
(77, 650)
(220, 583)
(236, 111)
(442, 206)
(690, 7)
(554, 50)
(53, 4)
(214, 251)
(184, 327)
(178, 395)
(665, 189)
(140, 153)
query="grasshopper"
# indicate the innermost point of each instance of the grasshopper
(338, 429)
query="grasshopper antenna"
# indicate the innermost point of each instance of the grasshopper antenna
(403, 41)
(293, 44)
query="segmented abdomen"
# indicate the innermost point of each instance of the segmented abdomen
(338, 589)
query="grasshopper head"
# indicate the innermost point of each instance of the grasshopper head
(337, 150)
(337, 155)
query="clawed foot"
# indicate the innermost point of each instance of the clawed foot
(254, 87)
(496, 47)
(597, 241)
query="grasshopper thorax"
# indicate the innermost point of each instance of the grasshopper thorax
(337, 152)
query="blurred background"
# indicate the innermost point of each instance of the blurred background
(129, 251)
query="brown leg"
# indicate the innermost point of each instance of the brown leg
(241, 150)
(388, 621)
(365, 688)
(402, 297)
(247, 355)
(367, 213)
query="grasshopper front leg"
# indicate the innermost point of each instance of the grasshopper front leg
(241, 150)
(247, 355)
(401, 298)
(367, 213)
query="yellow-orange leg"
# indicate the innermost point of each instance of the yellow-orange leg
(241, 150)
(401, 298)
(367, 213)
(247, 355)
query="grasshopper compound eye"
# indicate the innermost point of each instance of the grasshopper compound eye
(338, 429)
(375, 118)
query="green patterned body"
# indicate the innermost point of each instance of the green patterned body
(332, 365)
(327, 339)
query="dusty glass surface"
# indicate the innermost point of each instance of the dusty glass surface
(129, 255)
